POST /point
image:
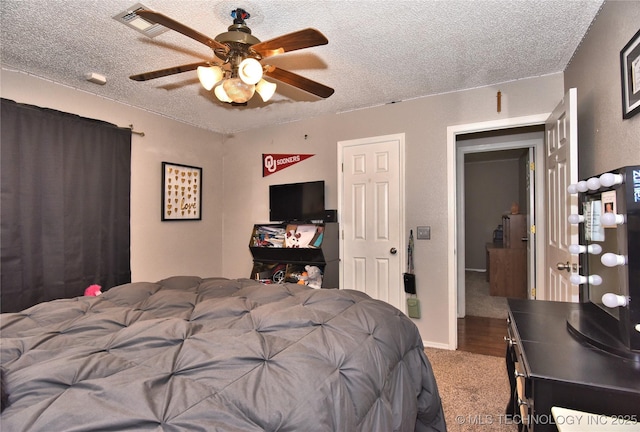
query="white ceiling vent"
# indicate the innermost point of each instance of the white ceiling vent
(131, 19)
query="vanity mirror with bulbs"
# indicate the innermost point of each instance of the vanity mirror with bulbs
(609, 274)
(585, 356)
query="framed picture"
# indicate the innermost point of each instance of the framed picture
(630, 68)
(181, 192)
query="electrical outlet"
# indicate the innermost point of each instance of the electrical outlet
(424, 233)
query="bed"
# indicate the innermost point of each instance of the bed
(214, 354)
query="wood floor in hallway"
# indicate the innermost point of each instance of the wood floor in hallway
(482, 335)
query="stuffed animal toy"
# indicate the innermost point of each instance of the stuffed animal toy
(313, 278)
(302, 279)
(93, 291)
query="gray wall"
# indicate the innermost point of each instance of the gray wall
(606, 141)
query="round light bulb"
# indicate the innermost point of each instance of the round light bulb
(609, 219)
(612, 300)
(577, 249)
(594, 249)
(575, 219)
(582, 186)
(237, 90)
(611, 260)
(610, 179)
(595, 280)
(577, 279)
(250, 71)
(572, 189)
(593, 183)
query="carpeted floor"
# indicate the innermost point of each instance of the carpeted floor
(478, 302)
(474, 389)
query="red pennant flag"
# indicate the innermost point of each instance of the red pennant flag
(272, 163)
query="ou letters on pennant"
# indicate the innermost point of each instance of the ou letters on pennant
(272, 163)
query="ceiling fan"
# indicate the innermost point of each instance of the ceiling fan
(236, 65)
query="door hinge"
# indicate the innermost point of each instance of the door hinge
(532, 166)
(533, 292)
(532, 229)
(342, 167)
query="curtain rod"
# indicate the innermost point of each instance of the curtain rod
(135, 132)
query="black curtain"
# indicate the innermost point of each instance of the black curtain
(65, 205)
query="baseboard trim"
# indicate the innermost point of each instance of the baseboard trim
(429, 344)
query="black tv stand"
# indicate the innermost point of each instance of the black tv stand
(273, 262)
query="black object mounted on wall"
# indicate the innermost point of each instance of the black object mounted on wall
(330, 216)
(409, 283)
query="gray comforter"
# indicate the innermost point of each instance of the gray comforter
(192, 354)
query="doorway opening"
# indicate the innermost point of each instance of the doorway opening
(521, 133)
(496, 177)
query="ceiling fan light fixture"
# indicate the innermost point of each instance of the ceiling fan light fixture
(209, 76)
(265, 89)
(237, 90)
(250, 70)
(236, 78)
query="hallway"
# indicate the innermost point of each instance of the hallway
(484, 327)
(482, 335)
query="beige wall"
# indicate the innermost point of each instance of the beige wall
(606, 141)
(425, 122)
(158, 249)
(218, 245)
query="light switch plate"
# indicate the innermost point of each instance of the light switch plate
(424, 233)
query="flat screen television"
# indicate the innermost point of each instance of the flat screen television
(296, 202)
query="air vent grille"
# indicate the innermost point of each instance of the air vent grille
(131, 19)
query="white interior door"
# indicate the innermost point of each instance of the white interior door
(531, 222)
(561, 145)
(372, 217)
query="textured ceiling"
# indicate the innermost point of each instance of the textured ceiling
(378, 52)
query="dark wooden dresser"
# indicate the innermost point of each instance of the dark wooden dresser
(507, 259)
(550, 367)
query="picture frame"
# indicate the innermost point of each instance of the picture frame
(630, 76)
(181, 192)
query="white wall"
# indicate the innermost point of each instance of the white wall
(425, 123)
(158, 249)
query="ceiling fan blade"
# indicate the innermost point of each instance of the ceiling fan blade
(156, 17)
(166, 72)
(290, 42)
(298, 81)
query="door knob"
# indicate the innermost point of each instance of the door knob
(561, 266)
(393, 251)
